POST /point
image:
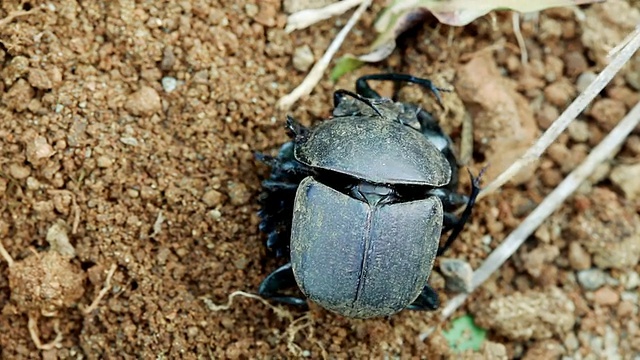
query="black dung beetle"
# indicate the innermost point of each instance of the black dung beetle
(359, 202)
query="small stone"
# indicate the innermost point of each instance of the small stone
(169, 83)
(591, 279)
(251, 10)
(575, 63)
(579, 131)
(626, 309)
(606, 296)
(18, 66)
(584, 80)
(104, 161)
(238, 193)
(303, 58)
(579, 258)
(128, 140)
(59, 240)
(626, 178)
(267, 14)
(212, 198)
(19, 172)
(559, 93)
(18, 96)
(630, 280)
(608, 112)
(546, 116)
(168, 59)
(458, 274)
(39, 79)
(143, 102)
(39, 149)
(539, 258)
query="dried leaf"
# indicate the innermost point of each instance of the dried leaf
(401, 15)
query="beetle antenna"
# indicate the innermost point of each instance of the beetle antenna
(338, 94)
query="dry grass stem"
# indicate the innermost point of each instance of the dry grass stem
(576, 107)
(12, 16)
(607, 148)
(515, 19)
(103, 292)
(32, 325)
(319, 68)
(305, 18)
(283, 314)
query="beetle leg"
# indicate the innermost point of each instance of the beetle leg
(298, 130)
(457, 228)
(277, 281)
(428, 300)
(363, 88)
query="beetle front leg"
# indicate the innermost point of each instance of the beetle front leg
(279, 280)
(363, 88)
(428, 300)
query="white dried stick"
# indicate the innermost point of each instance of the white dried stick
(576, 107)
(305, 18)
(318, 69)
(609, 146)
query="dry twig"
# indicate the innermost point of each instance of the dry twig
(305, 18)
(103, 292)
(215, 307)
(576, 107)
(318, 69)
(32, 325)
(12, 16)
(609, 146)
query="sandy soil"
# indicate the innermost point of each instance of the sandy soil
(127, 134)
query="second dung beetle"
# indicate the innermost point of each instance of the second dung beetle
(358, 203)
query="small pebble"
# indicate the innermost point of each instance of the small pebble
(238, 193)
(626, 178)
(458, 274)
(104, 161)
(591, 279)
(630, 280)
(608, 112)
(559, 93)
(212, 198)
(169, 83)
(128, 140)
(19, 172)
(579, 258)
(606, 296)
(303, 58)
(579, 131)
(145, 101)
(584, 80)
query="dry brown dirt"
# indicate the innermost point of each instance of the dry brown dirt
(127, 132)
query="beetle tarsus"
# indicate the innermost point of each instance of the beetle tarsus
(338, 95)
(428, 300)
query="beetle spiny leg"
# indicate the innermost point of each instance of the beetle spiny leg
(337, 95)
(298, 130)
(466, 214)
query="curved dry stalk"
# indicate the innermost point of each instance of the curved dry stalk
(318, 69)
(103, 292)
(576, 107)
(608, 147)
(305, 18)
